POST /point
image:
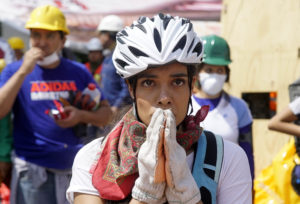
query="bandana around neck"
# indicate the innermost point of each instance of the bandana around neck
(117, 168)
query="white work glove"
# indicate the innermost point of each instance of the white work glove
(150, 185)
(181, 186)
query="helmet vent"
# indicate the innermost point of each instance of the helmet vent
(181, 43)
(198, 48)
(124, 32)
(120, 40)
(121, 63)
(190, 47)
(127, 58)
(157, 39)
(142, 20)
(166, 23)
(141, 27)
(184, 21)
(161, 16)
(190, 27)
(137, 52)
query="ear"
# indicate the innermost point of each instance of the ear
(62, 44)
(130, 89)
(64, 41)
(194, 82)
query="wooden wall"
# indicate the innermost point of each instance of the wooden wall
(264, 37)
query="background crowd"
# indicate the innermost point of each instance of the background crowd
(52, 105)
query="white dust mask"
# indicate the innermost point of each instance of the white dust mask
(212, 83)
(50, 59)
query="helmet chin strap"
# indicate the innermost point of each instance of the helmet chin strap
(135, 113)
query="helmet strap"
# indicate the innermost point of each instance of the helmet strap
(133, 83)
(134, 110)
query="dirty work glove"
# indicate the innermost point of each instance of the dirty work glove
(181, 186)
(150, 185)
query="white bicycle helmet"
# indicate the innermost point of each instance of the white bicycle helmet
(156, 41)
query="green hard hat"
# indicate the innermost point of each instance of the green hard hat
(216, 50)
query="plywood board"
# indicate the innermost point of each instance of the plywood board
(264, 37)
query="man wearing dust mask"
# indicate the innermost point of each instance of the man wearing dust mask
(45, 146)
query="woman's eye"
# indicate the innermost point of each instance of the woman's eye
(147, 83)
(179, 82)
(221, 71)
(208, 70)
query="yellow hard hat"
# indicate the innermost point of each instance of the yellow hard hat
(49, 18)
(2, 64)
(16, 43)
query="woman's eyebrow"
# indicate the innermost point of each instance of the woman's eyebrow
(145, 75)
(179, 75)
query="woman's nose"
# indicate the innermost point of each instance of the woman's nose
(164, 98)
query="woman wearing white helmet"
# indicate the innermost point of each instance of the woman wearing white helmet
(157, 153)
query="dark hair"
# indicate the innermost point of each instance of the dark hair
(61, 34)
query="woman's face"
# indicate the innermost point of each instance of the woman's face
(163, 87)
(211, 79)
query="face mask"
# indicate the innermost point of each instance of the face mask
(49, 59)
(212, 83)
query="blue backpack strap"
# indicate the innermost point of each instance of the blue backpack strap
(207, 165)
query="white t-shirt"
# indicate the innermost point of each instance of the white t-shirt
(229, 117)
(295, 106)
(235, 184)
